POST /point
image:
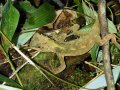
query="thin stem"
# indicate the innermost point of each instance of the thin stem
(105, 48)
(67, 3)
(93, 66)
(11, 64)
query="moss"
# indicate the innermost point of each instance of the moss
(32, 79)
(49, 60)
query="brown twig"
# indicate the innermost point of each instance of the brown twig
(105, 48)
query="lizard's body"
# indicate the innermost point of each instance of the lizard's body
(72, 48)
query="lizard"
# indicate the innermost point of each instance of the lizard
(75, 47)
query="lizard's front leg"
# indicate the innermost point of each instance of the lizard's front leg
(108, 37)
(61, 67)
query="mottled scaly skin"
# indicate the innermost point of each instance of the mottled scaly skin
(72, 48)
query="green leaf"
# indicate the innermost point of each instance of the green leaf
(43, 15)
(27, 7)
(76, 1)
(80, 8)
(94, 52)
(111, 27)
(10, 18)
(3, 87)
(23, 38)
(79, 4)
(1, 6)
(87, 28)
(89, 12)
(9, 81)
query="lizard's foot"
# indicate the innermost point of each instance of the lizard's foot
(58, 69)
(61, 67)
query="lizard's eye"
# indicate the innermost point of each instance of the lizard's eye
(71, 37)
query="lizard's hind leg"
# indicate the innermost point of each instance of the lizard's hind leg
(61, 67)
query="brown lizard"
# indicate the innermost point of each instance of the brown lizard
(72, 48)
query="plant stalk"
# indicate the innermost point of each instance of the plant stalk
(105, 47)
